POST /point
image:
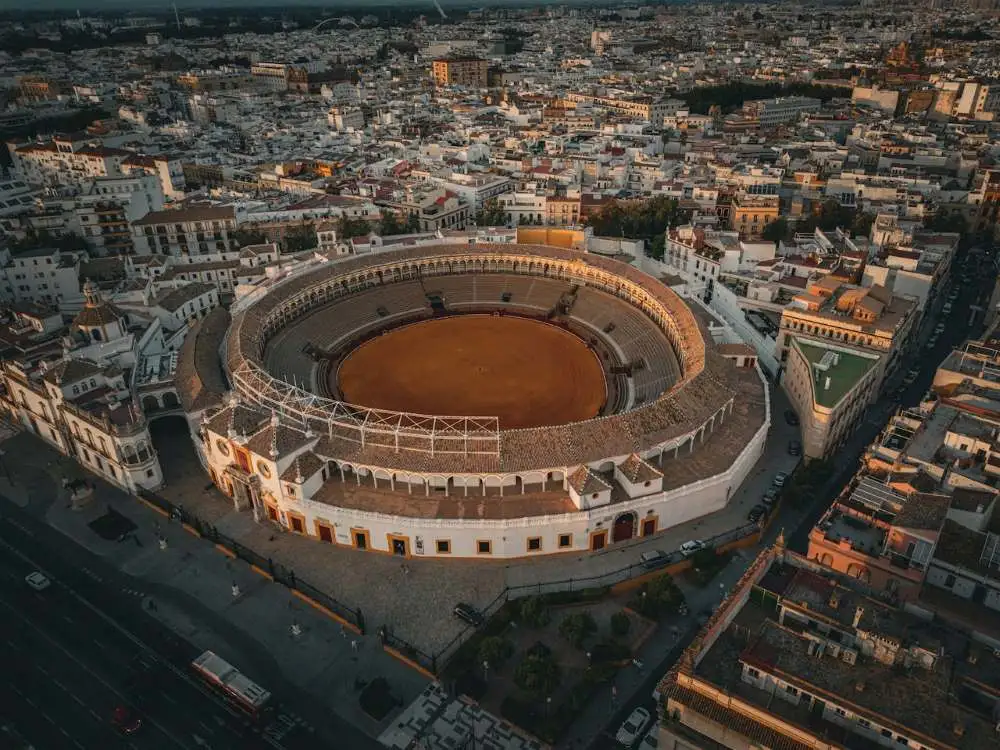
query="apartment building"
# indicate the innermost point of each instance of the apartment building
(640, 107)
(830, 386)
(470, 72)
(64, 161)
(750, 214)
(918, 523)
(868, 319)
(798, 657)
(271, 76)
(770, 113)
(169, 170)
(477, 188)
(43, 277)
(195, 230)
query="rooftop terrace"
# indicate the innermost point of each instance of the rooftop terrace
(837, 375)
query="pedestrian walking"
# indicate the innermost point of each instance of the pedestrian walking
(354, 645)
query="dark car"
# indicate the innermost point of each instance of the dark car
(468, 613)
(756, 513)
(770, 497)
(125, 720)
(794, 448)
(791, 417)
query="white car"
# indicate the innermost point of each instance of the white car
(37, 581)
(689, 548)
(632, 728)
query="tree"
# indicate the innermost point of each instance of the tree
(538, 673)
(390, 224)
(576, 627)
(413, 222)
(348, 228)
(644, 219)
(244, 237)
(776, 230)
(492, 215)
(657, 246)
(534, 613)
(495, 650)
(300, 238)
(943, 221)
(620, 624)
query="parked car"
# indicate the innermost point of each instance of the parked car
(689, 548)
(125, 720)
(932, 342)
(946, 309)
(654, 559)
(780, 478)
(770, 497)
(791, 417)
(632, 728)
(756, 513)
(910, 377)
(794, 448)
(37, 580)
(469, 614)
(939, 329)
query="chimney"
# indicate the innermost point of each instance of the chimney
(858, 614)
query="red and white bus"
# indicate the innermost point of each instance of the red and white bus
(243, 693)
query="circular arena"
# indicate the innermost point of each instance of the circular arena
(474, 400)
(528, 373)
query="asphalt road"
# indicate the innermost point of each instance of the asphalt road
(75, 651)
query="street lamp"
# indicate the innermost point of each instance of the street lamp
(486, 670)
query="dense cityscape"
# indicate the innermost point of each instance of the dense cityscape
(549, 376)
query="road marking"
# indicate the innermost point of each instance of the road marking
(95, 714)
(29, 701)
(87, 669)
(42, 669)
(68, 619)
(205, 726)
(170, 698)
(179, 673)
(76, 697)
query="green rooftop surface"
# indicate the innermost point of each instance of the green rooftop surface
(843, 376)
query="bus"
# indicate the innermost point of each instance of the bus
(238, 689)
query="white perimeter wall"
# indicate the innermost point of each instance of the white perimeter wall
(509, 538)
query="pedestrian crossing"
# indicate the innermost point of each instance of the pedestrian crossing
(284, 724)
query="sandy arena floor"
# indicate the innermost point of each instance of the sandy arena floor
(526, 372)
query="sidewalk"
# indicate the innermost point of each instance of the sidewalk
(190, 585)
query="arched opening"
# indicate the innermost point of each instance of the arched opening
(95, 334)
(624, 528)
(150, 403)
(170, 400)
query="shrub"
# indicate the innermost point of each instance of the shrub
(534, 613)
(576, 627)
(538, 674)
(620, 624)
(495, 650)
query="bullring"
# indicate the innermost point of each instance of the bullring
(674, 431)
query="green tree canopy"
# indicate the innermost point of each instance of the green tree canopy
(576, 627)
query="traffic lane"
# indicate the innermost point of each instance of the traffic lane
(72, 677)
(54, 692)
(181, 707)
(100, 583)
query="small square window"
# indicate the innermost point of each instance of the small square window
(149, 473)
(444, 546)
(484, 547)
(534, 544)
(565, 540)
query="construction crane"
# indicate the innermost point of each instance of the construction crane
(440, 10)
